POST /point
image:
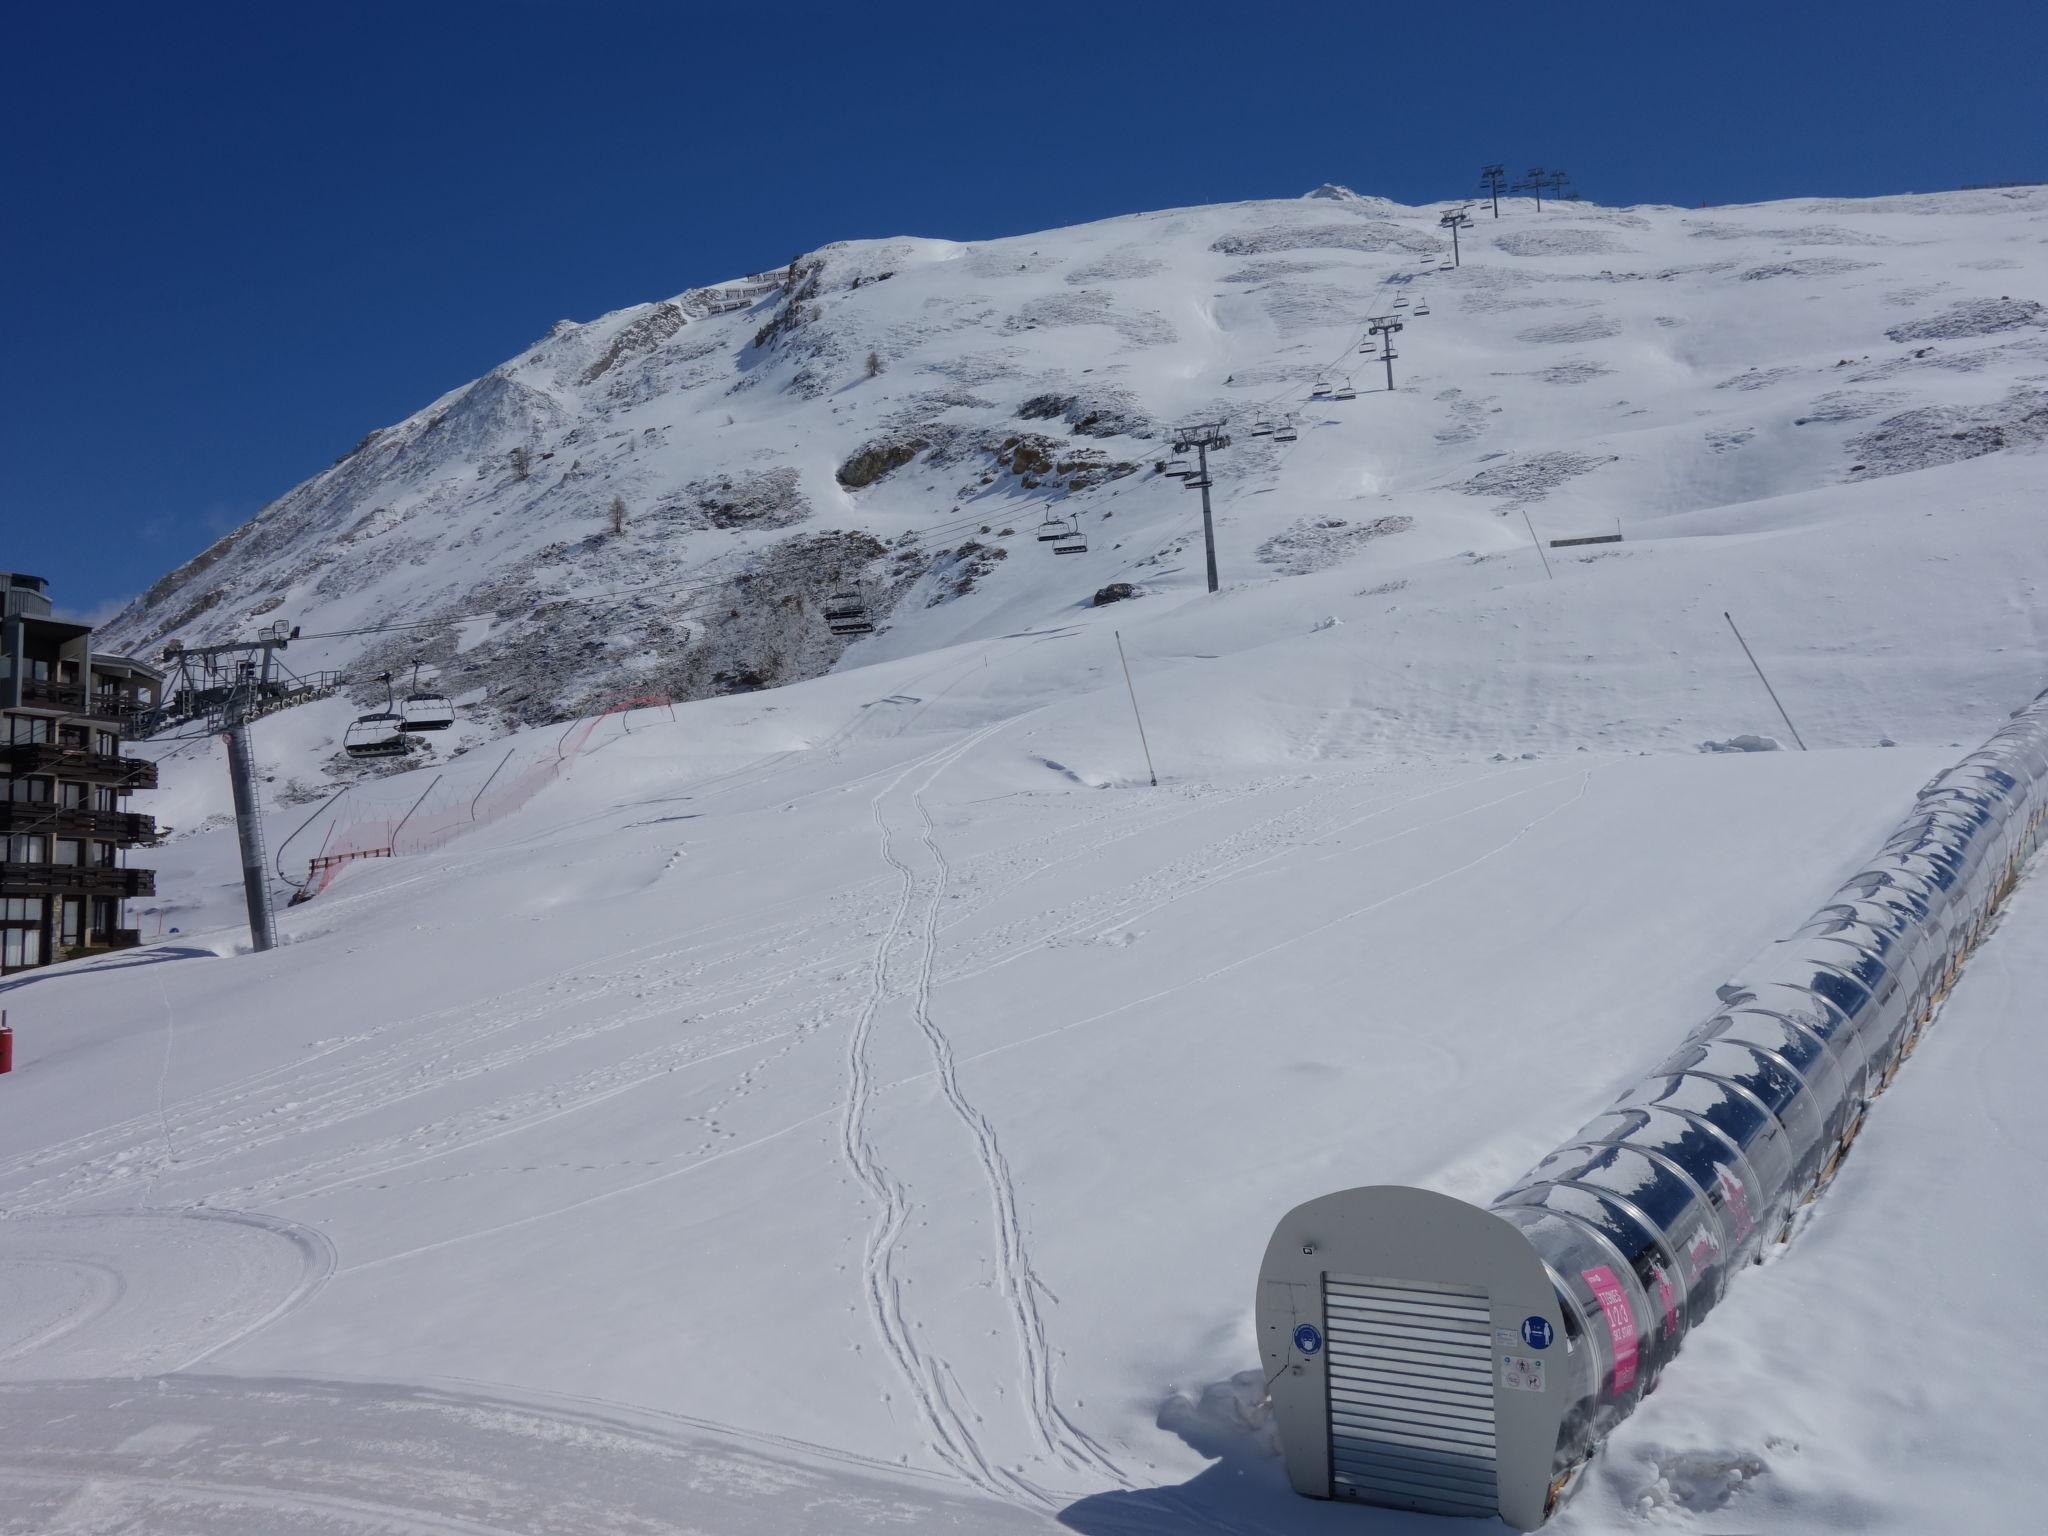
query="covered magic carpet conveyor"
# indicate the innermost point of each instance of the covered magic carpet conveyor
(1427, 1354)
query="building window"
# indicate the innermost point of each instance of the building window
(107, 742)
(25, 791)
(71, 922)
(106, 917)
(20, 948)
(74, 736)
(23, 909)
(70, 851)
(106, 798)
(71, 796)
(28, 848)
(25, 730)
(103, 855)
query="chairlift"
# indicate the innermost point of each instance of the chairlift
(426, 711)
(1320, 392)
(846, 613)
(1072, 540)
(1346, 393)
(1178, 467)
(378, 735)
(1286, 434)
(1197, 483)
(381, 734)
(1422, 309)
(1051, 528)
(1263, 429)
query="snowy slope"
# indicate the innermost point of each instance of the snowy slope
(1649, 367)
(866, 1100)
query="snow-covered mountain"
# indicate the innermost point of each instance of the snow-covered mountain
(864, 1103)
(905, 414)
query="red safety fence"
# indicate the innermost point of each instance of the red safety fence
(443, 812)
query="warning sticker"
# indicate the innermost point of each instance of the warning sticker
(1520, 1373)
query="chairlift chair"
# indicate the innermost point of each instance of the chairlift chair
(1072, 540)
(378, 735)
(1178, 467)
(1197, 483)
(1051, 529)
(846, 613)
(1286, 434)
(1263, 429)
(1346, 393)
(426, 711)
(1422, 309)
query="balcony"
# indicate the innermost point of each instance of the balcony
(68, 698)
(78, 763)
(75, 880)
(123, 827)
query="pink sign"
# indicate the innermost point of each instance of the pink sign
(1621, 1324)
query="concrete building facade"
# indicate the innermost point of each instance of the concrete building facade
(65, 826)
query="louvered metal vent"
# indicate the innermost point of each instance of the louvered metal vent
(1411, 1395)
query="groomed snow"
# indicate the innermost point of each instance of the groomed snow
(865, 1102)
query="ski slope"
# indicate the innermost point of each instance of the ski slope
(865, 1101)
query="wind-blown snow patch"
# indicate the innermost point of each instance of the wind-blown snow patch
(1533, 477)
(1315, 543)
(1557, 242)
(1972, 317)
(1943, 434)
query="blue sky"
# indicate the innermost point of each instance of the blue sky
(237, 237)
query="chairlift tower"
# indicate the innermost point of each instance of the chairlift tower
(1198, 437)
(1493, 177)
(1532, 181)
(227, 709)
(249, 818)
(1556, 181)
(1454, 221)
(1384, 326)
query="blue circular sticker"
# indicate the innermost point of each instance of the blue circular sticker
(1308, 1338)
(1536, 1332)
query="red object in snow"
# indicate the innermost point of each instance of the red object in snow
(6, 1045)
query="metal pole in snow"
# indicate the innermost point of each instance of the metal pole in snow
(1764, 680)
(1538, 543)
(1208, 544)
(1134, 707)
(249, 829)
(487, 783)
(408, 815)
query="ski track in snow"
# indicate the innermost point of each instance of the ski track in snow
(950, 1437)
(1056, 1432)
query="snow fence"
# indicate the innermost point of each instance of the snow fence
(1429, 1355)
